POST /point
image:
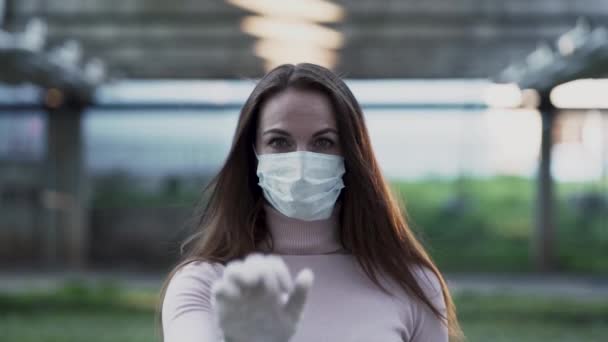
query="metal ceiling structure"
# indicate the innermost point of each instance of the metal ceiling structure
(578, 54)
(67, 86)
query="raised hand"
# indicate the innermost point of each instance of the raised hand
(256, 300)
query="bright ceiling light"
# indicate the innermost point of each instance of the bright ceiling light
(503, 96)
(292, 32)
(309, 10)
(289, 31)
(581, 94)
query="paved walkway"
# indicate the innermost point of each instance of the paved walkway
(553, 285)
(583, 287)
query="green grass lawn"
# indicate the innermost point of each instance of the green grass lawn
(105, 313)
(468, 224)
(74, 326)
(525, 318)
(486, 225)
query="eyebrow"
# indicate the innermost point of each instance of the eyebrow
(325, 130)
(277, 131)
(283, 132)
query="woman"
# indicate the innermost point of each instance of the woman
(302, 193)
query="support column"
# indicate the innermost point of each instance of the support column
(65, 196)
(544, 235)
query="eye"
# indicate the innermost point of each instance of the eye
(278, 142)
(324, 143)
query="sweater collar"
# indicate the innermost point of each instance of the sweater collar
(294, 236)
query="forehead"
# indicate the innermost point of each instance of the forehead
(297, 110)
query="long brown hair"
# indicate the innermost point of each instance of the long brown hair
(373, 226)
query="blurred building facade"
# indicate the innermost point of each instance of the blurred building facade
(155, 39)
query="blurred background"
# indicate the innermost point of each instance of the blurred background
(490, 118)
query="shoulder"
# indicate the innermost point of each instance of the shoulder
(194, 276)
(427, 326)
(190, 287)
(428, 281)
(196, 272)
(432, 289)
(419, 321)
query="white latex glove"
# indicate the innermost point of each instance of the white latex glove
(256, 300)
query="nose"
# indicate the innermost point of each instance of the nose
(302, 146)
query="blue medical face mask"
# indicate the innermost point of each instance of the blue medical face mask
(302, 185)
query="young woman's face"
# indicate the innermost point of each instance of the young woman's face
(297, 120)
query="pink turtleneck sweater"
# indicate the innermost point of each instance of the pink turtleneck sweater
(343, 305)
